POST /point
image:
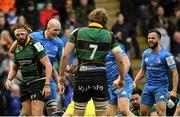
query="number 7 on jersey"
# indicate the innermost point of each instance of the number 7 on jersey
(94, 50)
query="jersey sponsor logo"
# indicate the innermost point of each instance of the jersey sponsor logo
(170, 60)
(153, 68)
(24, 62)
(38, 46)
(89, 87)
(90, 68)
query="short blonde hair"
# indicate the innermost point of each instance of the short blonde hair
(98, 15)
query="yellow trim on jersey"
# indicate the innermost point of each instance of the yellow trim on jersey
(96, 24)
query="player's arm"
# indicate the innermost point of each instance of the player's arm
(48, 68)
(12, 72)
(121, 65)
(64, 61)
(175, 79)
(127, 63)
(126, 69)
(48, 72)
(139, 76)
(55, 75)
(13, 46)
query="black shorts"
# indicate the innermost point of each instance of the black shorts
(89, 85)
(32, 90)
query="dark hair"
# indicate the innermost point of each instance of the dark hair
(156, 31)
(136, 90)
(19, 26)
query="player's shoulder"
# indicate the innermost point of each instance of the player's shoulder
(58, 41)
(36, 33)
(147, 51)
(165, 52)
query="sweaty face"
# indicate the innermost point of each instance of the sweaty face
(153, 40)
(135, 101)
(21, 36)
(54, 31)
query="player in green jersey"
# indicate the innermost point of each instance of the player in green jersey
(92, 44)
(30, 57)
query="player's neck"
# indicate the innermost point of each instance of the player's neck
(46, 34)
(157, 49)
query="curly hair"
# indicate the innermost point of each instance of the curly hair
(98, 15)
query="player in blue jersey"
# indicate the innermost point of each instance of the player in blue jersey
(119, 98)
(156, 62)
(54, 48)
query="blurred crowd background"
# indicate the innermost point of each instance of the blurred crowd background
(131, 23)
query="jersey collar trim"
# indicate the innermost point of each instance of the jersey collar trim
(95, 24)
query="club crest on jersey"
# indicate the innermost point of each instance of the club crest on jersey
(158, 60)
(55, 48)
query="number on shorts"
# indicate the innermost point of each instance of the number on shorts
(94, 50)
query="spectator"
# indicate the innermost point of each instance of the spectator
(65, 10)
(32, 16)
(11, 17)
(71, 22)
(46, 14)
(176, 52)
(4, 94)
(6, 40)
(3, 23)
(177, 18)
(128, 34)
(82, 11)
(6, 5)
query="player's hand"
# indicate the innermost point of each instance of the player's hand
(46, 91)
(134, 84)
(8, 84)
(61, 86)
(73, 68)
(172, 93)
(118, 83)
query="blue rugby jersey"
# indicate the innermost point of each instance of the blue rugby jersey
(157, 65)
(112, 69)
(54, 47)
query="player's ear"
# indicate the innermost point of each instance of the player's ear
(29, 30)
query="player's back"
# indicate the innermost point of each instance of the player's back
(93, 44)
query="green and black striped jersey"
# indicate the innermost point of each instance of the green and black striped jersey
(27, 58)
(92, 43)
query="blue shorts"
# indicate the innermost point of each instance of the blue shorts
(115, 93)
(152, 94)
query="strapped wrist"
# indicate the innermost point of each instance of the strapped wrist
(46, 85)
